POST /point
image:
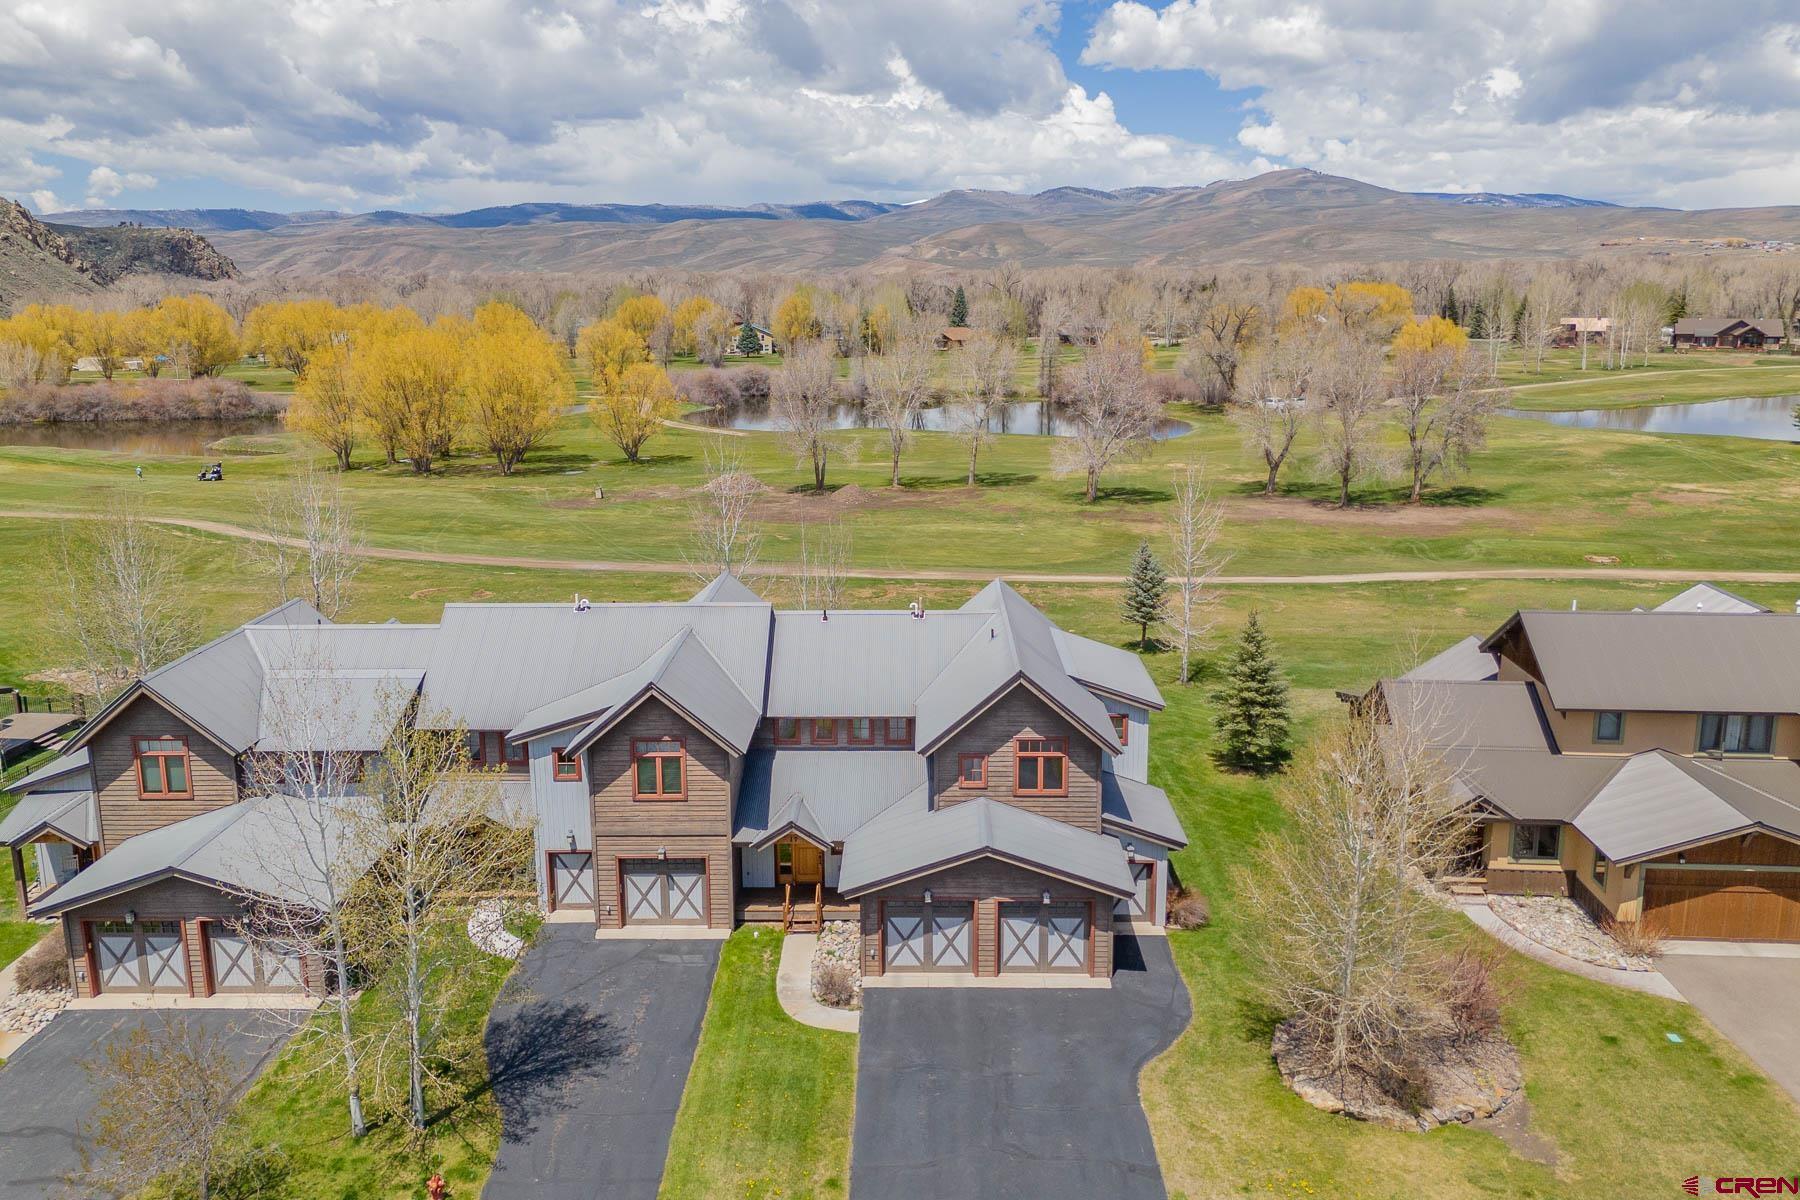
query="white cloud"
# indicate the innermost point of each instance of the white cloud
(104, 184)
(1643, 100)
(42, 201)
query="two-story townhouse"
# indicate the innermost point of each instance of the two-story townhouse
(969, 784)
(1645, 763)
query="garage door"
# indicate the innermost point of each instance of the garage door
(572, 880)
(1142, 876)
(934, 937)
(1038, 937)
(671, 892)
(1744, 906)
(145, 957)
(237, 965)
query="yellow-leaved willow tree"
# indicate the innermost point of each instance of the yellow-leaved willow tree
(515, 383)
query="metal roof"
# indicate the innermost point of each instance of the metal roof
(320, 711)
(1651, 804)
(861, 662)
(1530, 785)
(842, 789)
(1464, 662)
(796, 817)
(1664, 661)
(259, 846)
(906, 843)
(1127, 806)
(1707, 597)
(685, 674)
(1498, 714)
(70, 815)
(56, 771)
(725, 588)
(1109, 668)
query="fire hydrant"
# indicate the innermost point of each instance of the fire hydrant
(435, 1187)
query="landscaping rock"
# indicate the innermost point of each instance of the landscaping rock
(1564, 926)
(487, 929)
(28, 1012)
(839, 949)
(1460, 1080)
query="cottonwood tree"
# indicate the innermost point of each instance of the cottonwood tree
(803, 403)
(1274, 402)
(167, 1092)
(1194, 523)
(1547, 302)
(1227, 330)
(325, 406)
(984, 370)
(899, 383)
(1344, 933)
(634, 408)
(724, 536)
(309, 544)
(1110, 410)
(439, 833)
(1444, 403)
(125, 609)
(1352, 386)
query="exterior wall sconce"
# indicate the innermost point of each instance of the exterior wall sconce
(131, 916)
(1046, 895)
(1681, 857)
(662, 852)
(928, 895)
(571, 839)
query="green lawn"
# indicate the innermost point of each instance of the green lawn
(16, 935)
(769, 1101)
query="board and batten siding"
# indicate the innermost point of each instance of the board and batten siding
(1144, 850)
(696, 827)
(562, 807)
(212, 773)
(1134, 763)
(1020, 713)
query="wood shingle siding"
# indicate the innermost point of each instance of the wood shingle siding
(1021, 714)
(212, 773)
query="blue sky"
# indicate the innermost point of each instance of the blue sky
(450, 104)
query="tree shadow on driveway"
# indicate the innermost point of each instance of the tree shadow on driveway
(539, 1052)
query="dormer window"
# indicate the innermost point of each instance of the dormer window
(1736, 733)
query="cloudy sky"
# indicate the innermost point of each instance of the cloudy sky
(449, 104)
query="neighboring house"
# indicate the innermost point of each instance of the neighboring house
(1726, 333)
(1572, 330)
(954, 337)
(971, 784)
(1643, 763)
(764, 338)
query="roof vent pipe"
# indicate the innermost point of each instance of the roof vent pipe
(918, 610)
(824, 615)
(1574, 606)
(1797, 608)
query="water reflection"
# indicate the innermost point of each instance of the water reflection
(144, 439)
(1035, 418)
(1769, 418)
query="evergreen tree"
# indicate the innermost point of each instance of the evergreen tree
(748, 342)
(1478, 321)
(959, 308)
(1253, 705)
(1146, 594)
(1450, 312)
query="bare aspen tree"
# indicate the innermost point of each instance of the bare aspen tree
(803, 401)
(1352, 386)
(124, 609)
(310, 548)
(1547, 302)
(1343, 928)
(724, 535)
(899, 383)
(1444, 408)
(984, 371)
(1274, 402)
(824, 565)
(1194, 524)
(1110, 411)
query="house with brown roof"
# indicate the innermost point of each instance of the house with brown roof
(968, 785)
(1645, 764)
(1726, 333)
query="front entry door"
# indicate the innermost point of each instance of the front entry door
(799, 862)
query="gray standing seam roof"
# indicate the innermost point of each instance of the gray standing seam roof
(1463, 662)
(1708, 597)
(1498, 714)
(1109, 668)
(843, 790)
(686, 674)
(725, 588)
(908, 842)
(68, 814)
(1139, 808)
(60, 771)
(861, 662)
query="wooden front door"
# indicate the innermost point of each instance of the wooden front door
(799, 862)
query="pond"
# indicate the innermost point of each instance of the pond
(1769, 418)
(142, 439)
(1034, 418)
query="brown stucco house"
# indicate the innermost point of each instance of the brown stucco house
(1645, 763)
(970, 785)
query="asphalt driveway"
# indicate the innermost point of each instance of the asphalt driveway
(45, 1094)
(589, 1049)
(1014, 1093)
(1751, 1000)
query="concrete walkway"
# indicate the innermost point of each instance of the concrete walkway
(793, 987)
(1638, 981)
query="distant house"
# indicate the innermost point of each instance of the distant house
(954, 337)
(1726, 333)
(764, 338)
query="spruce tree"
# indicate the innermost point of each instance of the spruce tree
(1253, 705)
(1146, 594)
(959, 309)
(747, 342)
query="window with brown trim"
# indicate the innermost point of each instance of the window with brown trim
(899, 731)
(565, 767)
(1042, 767)
(517, 753)
(787, 731)
(162, 768)
(1121, 728)
(862, 731)
(971, 770)
(824, 731)
(476, 741)
(658, 769)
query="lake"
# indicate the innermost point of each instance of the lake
(142, 439)
(1034, 418)
(1769, 418)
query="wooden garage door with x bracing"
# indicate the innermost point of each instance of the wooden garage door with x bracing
(934, 937)
(665, 893)
(572, 880)
(145, 957)
(1038, 937)
(1743, 906)
(1143, 875)
(238, 966)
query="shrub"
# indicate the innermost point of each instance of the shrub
(834, 985)
(1472, 995)
(1169, 388)
(1634, 937)
(1189, 909)
(724, 387)
(44, 968)
(139, 400)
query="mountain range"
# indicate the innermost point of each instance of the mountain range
(1293, 215)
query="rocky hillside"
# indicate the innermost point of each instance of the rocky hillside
(37, 258)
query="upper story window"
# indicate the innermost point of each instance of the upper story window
(1537, 842)
(1121, 728)
(862, 731)
(1042, 767)
(787, 731)
(1737, 733)
(565, 767)
(899, 731)
(824, 731)
(162, 768)
(518, 754)
(1609, 727)
(971, 770)
(476, 741)
(659, 769)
